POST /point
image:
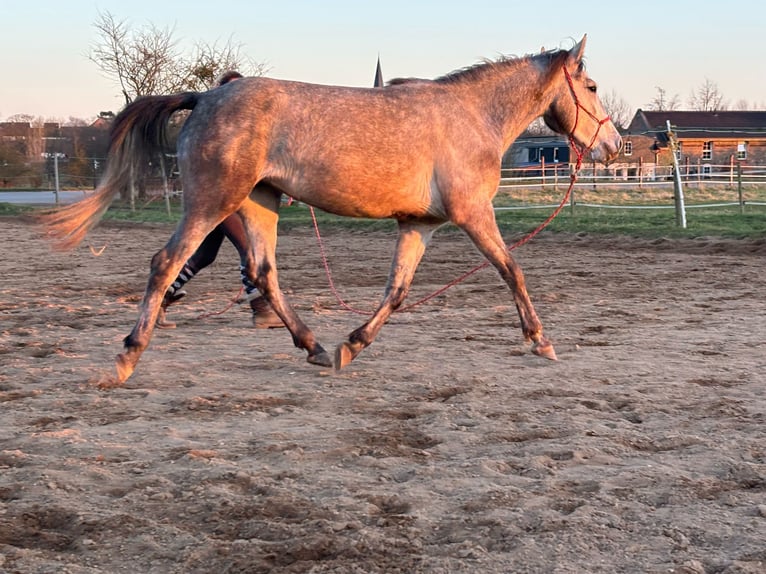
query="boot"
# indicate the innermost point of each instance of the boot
(264, 317)
(169, 298)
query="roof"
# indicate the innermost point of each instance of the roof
(693, 124)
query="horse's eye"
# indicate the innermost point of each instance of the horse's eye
(592, 88)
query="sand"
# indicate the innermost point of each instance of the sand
(445, 447)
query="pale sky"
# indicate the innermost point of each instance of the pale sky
(633, 47)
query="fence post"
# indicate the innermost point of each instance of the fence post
(678, 187)
(56, 176)
(739, 188)
(699, 173)
(132, 187)
(572, 194)
(165, 187)
(594, 174)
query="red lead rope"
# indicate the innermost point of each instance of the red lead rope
(579, 150)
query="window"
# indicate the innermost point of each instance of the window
(679, 148)
(707, 170)
(707, 151)
(627, 148)
(742, 150)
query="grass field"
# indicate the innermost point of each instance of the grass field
(625, 219)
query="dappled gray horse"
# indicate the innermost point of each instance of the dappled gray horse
(421, 152)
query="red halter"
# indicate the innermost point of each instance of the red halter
(580, 150)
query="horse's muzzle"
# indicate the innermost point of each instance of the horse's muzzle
(607, 150)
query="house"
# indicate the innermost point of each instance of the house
(708, 141)
(42, 140)
(530, 153)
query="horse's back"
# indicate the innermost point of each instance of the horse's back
(369, 152)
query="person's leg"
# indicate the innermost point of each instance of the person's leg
(264, 316)
(204, 256)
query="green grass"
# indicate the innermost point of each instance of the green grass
(716, 222)
(10, 209)
(653, 223)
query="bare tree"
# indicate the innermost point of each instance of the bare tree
(617, 109)
(147, 61)
(662, 102)
(707, 98)
(23, 118)
(210, 61)
(139, 62)
(538, 128)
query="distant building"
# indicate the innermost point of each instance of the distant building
(531, 153)
(707, 139)
(36, 141)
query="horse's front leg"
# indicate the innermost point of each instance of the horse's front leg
(410, 246)
(259, 216)
(481, 227)
(165, 266)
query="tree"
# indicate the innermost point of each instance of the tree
(617, 109)
(209, 61)
(148, 61)
(538, 128)
(707, 98)
(662, 102)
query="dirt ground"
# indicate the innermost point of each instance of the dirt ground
(445, 447)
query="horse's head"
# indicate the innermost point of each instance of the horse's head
(577, 111)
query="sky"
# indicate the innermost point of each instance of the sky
(632, 48)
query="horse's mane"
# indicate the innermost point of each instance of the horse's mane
(400, 81)
(486, 66)
(478, 70)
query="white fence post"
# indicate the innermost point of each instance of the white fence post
(678, 187)
(56, 177)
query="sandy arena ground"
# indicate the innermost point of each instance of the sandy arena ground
(445, 447)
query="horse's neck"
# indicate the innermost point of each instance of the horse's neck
(518, 97)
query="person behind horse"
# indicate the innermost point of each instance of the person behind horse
(232, 229)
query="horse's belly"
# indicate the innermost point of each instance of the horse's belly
(366, 199)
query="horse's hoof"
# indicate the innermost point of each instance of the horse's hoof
(165, 324)
(108, 381)
(162, 320)
(344, 354)
(544, 348)
(322, 359)
(124, 369)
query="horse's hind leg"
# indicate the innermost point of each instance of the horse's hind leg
(410, 246)
(259, 216)
(481, 227)
(165, 266)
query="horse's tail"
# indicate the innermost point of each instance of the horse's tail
(138, 134)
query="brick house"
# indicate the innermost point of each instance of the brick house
(28, 152)
(709, 141)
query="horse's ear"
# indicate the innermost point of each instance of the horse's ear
(578, 51)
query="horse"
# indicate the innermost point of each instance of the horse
(423, 153)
